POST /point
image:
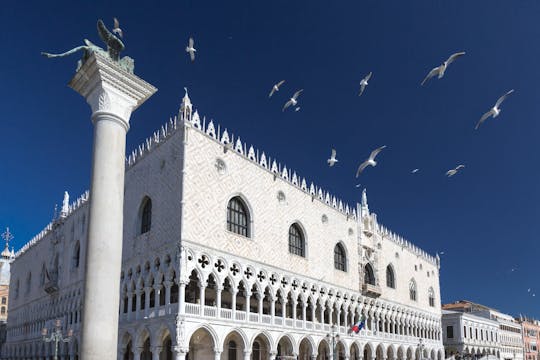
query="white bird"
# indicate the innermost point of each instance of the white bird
(297, 108)
(371, 161)
(357, 185)
(534, 294)
(441, 252)
(494, 111)
(276, 88)
(454, 171)
(439, 70)
(190, 49)
(415, 171)
(332, 159)
(364, 83)
(292, 101)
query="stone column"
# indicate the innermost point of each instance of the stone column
(217, 354)
(247, 355)
(273, 308)
(294, 311)
(167, 285)
(248, 300)
(322, 314)
(157, 290)
(284, 309)
(219, 289)
(137, 353)
(138, 294)
(202, 289)
(260, 298)
(113, 94)
(233, 304)
(130, 302)
(147, 300)
(304, 307)
(155, 352)
(182, 297)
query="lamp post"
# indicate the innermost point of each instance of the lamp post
(332, 337)
(56, 336)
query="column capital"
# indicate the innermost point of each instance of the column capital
(110, 90)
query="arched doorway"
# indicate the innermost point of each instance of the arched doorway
(233, 347)
(305, 350)
(201, 345)
(260, 350)
(146, 354)
(166, 349)
(355, 352)
(284, 347)
(323, 351)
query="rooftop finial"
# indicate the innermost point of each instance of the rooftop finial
(185, 107)
(185, 89)
(65, 205)
(7, 236)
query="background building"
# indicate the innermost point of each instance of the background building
(509, 330)
(531, 338)
(469, 336)
(226, 254)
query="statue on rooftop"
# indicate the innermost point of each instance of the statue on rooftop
(114, 47)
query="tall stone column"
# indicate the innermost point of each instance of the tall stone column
(112, 94)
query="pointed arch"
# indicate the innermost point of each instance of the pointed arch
(390, 277)
(239, 216)
(145, 215)
(431, 297)
(369, 274)
(76, 255)
(297, 240)
(412, 290)
(340, 257)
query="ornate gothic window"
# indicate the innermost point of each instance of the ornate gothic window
(412, 290)
(146, 215)
(296, 241)
(431, 296)
(238, 217)
(390, 278)
(340, 259)
(369, 276)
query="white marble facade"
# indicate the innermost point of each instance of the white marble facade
(193, 287)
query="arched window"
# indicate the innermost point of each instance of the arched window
(238, 217)
(390, 278)
(369, 276)
(431, 296)
(340, 260)
(28, 282)
(43, 275)
(146, 215)
(76, 256)
(3, 311)
(412, 290)
(296, 241)
(256, 351)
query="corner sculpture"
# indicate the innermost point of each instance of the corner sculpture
(114, 47)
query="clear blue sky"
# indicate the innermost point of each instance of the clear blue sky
(485, 218)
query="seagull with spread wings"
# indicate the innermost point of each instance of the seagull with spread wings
(439, 70)
(276, 88)
(364, 83)
(292, 101)
(190, 49)
(494, 111)
(370, 161)
(332, 159)
(454, 171)
(116, 28)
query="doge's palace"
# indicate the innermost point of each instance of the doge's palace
(227, 254)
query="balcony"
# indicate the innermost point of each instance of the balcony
(371, 290)
(51, 287)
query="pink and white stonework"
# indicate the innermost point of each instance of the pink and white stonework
(295, 262)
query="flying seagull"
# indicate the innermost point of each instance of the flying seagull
(371, 161)
(439, 70)
(494, 111)
(276, 88)
(297, 108)
(364, 83)
(116, 28)
(357, 185)
(190, 49)
(332, 159)
(415, 171)
(441, 253)
(292, 101)
(454, 171)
